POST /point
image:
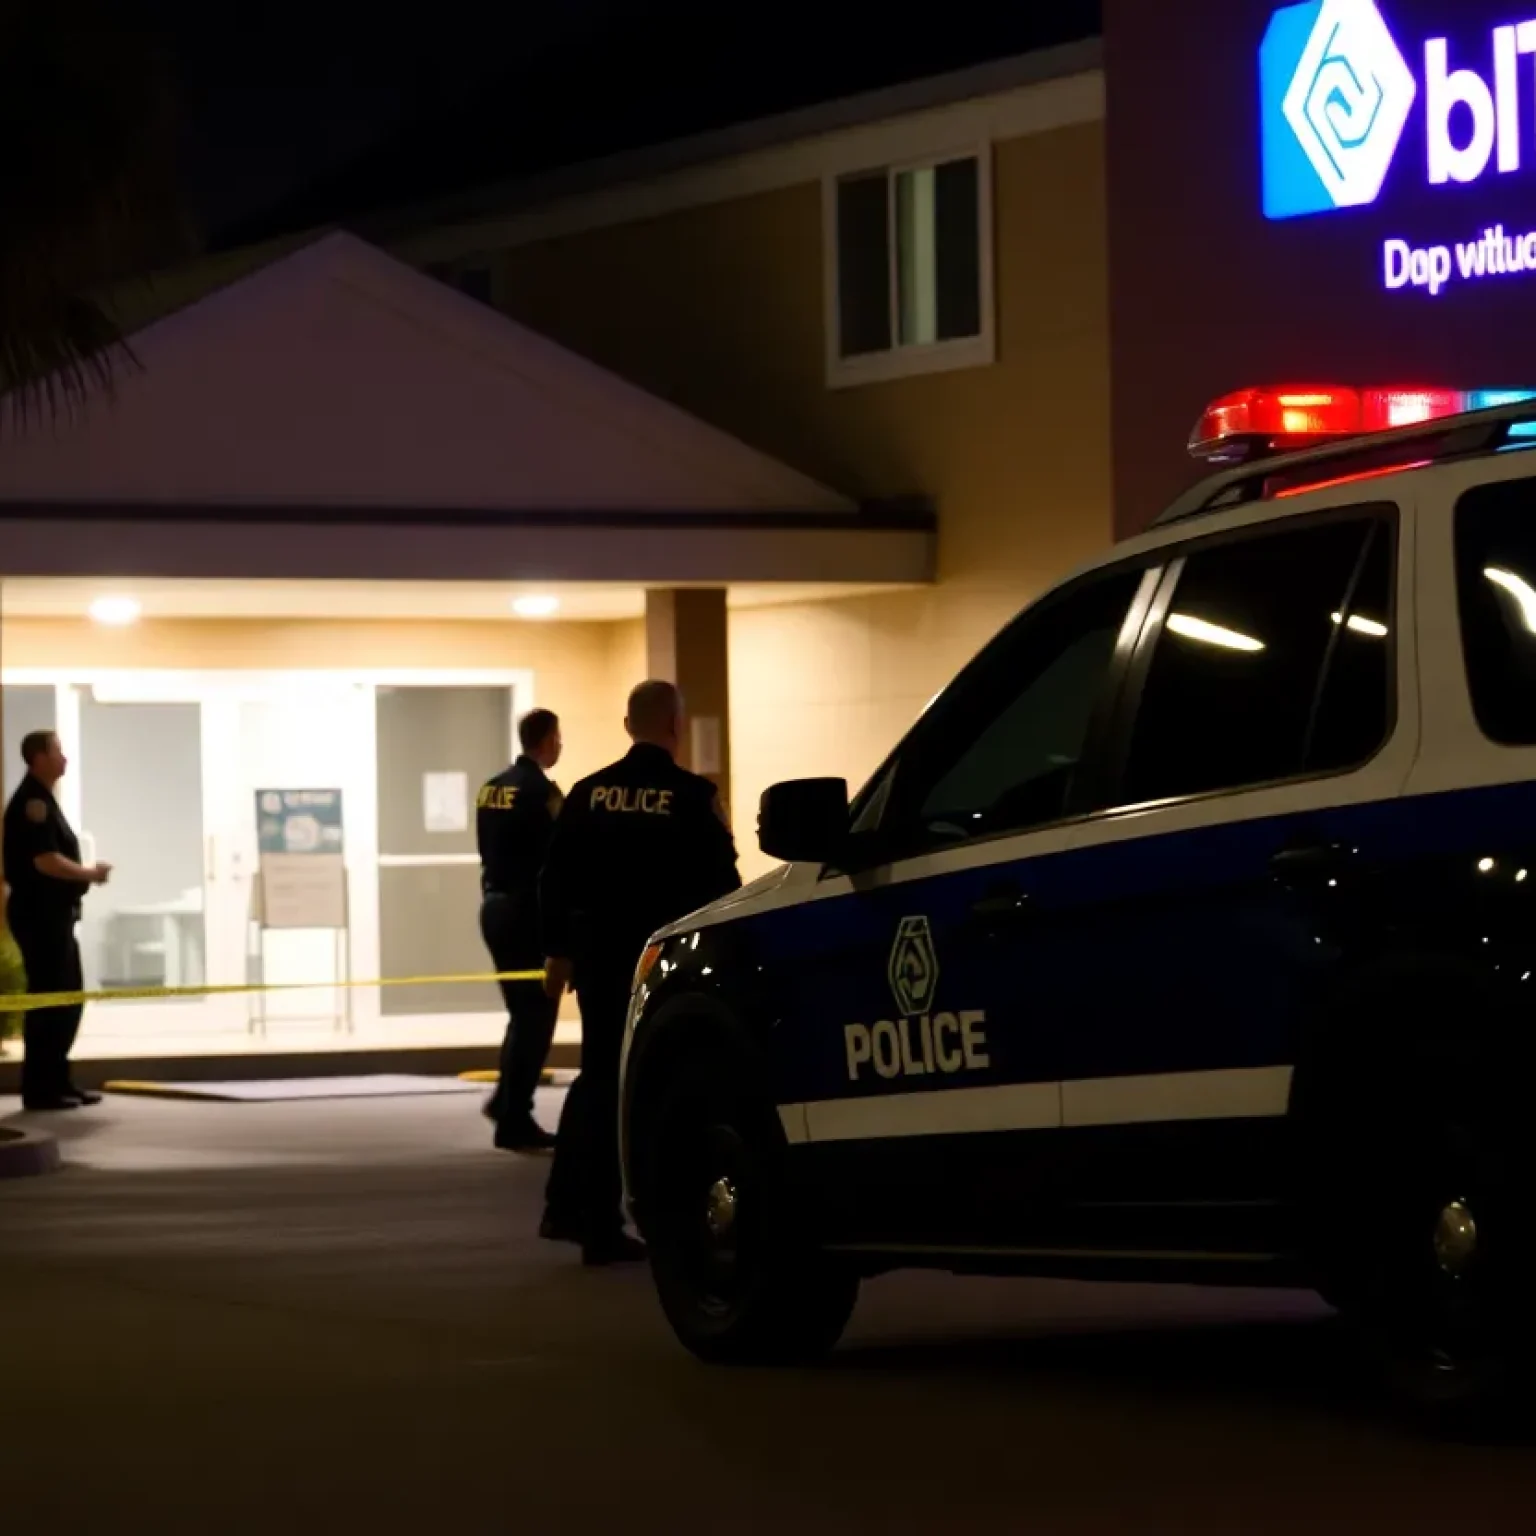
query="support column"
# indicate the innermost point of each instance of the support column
(685, 643)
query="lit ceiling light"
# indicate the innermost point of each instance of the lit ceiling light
(1362, 625)
(1519, 589)
(1211, 634)
(115, 610)
(537, 605)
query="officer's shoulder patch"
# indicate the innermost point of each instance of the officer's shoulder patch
(37, 810)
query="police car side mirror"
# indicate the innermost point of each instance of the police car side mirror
(803, 821)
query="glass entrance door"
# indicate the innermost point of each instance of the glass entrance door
(165, 768)
(164, 772)
(436, 745)
(137, 793)
(289, 731)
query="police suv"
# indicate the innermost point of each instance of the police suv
(1189, 934)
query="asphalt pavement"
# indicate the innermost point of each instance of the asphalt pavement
(335, 1316)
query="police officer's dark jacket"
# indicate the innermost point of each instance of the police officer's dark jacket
(514, 819)
(34, 825)
(637, 845)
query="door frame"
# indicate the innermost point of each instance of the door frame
(209, 1013)
(519, 686)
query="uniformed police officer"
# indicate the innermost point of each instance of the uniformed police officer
(514, 818)
(637, 845)
(47, 882)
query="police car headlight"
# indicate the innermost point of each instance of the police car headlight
(646, 966)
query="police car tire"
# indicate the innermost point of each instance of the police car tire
(1458, 1361)
(1415, 1132)
(781, 1301)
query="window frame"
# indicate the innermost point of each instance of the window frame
(1389, 514)
(880, 846)
(898, 361)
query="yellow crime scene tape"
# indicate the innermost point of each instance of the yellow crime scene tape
(30, 1002)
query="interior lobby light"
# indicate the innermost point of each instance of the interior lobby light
(1211, 634)
(115, 610)
(536, 605)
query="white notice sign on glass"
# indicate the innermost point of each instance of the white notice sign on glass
(445, 801)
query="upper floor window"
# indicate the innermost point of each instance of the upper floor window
(909, 269)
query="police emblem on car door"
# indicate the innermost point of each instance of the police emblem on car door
(914, 966)
(917, 1042)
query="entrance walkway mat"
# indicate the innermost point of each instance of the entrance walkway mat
(550, 1077)
(379, 1085)
(490, 1075)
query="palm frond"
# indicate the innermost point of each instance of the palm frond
(88, 194)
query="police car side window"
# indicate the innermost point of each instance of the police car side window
(869, 807)
(1001, 749)
(1496, 585)
(1274, 660)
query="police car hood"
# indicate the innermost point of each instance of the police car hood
(759, 887)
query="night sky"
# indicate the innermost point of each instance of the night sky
(296, 108)
(293, 91)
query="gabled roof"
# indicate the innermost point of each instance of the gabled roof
(336, 415)
(337, 376)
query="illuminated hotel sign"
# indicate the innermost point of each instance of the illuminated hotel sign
(1338, 92)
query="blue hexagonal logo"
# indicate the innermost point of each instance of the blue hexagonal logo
(914, 967)
(1335, 93)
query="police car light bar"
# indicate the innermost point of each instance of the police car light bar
(1504, 422)
(1251, 423)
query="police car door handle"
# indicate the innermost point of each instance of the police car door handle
(1308, 860)
(1005, 906)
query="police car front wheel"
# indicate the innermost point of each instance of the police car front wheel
(1446, 1309)
(738, 1278)
(1433, 1245)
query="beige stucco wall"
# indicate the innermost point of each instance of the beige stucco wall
(720, 309)
(828, 688)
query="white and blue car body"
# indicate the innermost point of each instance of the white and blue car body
(1190, 933)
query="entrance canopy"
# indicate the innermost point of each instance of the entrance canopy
(337, 414)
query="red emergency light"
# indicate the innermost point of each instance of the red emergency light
(1251, 422)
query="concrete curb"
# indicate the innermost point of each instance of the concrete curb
(25, 1154)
